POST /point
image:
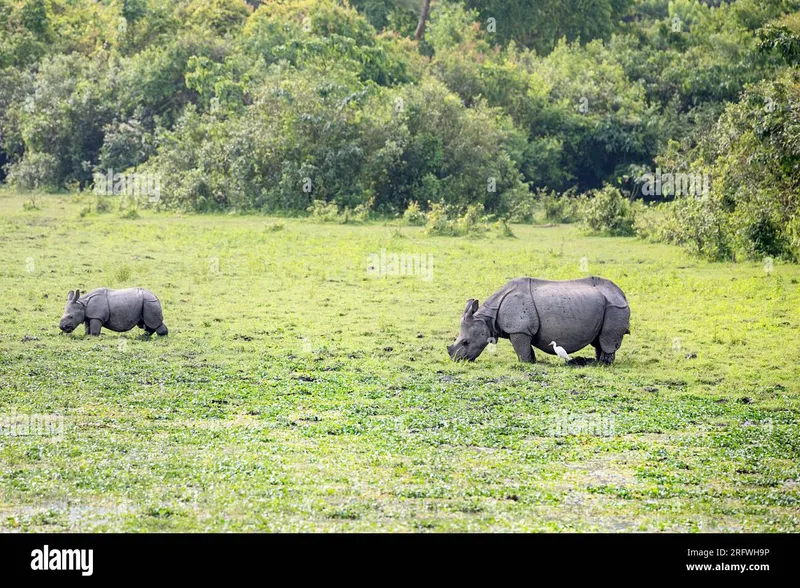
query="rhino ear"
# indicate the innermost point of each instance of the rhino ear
(77, 294)
(70, 296)
(469, 307)
(472, 306)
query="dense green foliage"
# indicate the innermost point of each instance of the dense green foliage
(607, 211)
(273, 106)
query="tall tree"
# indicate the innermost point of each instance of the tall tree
(423, 16)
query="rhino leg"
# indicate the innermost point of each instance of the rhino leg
(94, 326)
(162, 330)
(522, 346)
(152, 317)
(603, 357)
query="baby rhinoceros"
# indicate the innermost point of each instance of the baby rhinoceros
(117, 310)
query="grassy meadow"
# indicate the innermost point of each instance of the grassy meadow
(297, 391)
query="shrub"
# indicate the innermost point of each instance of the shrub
(693, 223)
(126, 144)
(763, 236)
(36, 171)
(608, 212)
(424, 145)
(751, 155)
(330, 212)
(30, 204)
(328, 137)
(413, 215)
(128, 208)
(445, 220)
(503, 229)
(359, 214)
(93, 203)
(522, 206)
(650, 220)
(324, 211)
(559, 208)
(101, 204)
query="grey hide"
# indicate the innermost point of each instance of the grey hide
(116, 310)
(532, 313)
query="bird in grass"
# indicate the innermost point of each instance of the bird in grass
(560, 351)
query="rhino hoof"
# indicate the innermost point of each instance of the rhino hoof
(606, 358)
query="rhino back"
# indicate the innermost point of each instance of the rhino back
(125, 308)
(570, 313)
(612, 293)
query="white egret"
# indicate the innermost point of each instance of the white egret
(560, 351)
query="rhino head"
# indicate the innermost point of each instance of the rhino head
(475, 335)
(74, 313)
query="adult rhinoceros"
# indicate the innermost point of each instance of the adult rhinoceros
(533, 313)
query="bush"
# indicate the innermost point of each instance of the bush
(445, 220)
(128, 208)
(101, 204)
(559, 208)
(413, 215)
(322, 211)
(751, 154)
(696, 224)
(36, 171)
(360, 213)
(608, 212)
(30, 204)
(326, 136)
(329, 212)
(424, 145)
(126, 144)
(522, 206)
(763, 236)
(503, 229)
(650, 220)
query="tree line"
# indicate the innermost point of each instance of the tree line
(381, 105)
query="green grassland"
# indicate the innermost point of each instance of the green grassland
(298, 392)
